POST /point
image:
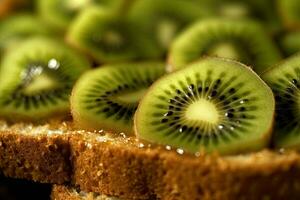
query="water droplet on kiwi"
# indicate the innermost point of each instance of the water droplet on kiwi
(53, 64)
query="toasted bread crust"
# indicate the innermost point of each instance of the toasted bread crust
(34, 156)
(124, 167)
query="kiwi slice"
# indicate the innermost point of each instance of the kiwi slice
(60, 13)
(19, 27)
(36, 79)
(290, 43)
(284, 79)
(232, 8)
(289, 11)
(106, 98)
(162, 20)
(263, 11)
(105, 36)
(244, 40)
(213, 105)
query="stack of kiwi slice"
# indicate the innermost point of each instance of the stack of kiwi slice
(194, 75)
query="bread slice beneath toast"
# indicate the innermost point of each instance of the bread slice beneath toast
(61, 192)
(126, 168)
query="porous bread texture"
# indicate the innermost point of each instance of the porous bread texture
(130, 170)
(60, 192)
(38, 153)
(126, 168)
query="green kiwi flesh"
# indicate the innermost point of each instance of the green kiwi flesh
(106, 98)
(263, 11)
(104, 36)
(290, 13)
(60, 13)
(213, 105)
(234, 9)
(248, 41)
(290, 43)
(162, 20)
(36, 79)
(19, 27)
(284, 79)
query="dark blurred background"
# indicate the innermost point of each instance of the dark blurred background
(14, 189)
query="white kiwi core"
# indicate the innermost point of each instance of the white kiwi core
(40, 82)
(202, 110)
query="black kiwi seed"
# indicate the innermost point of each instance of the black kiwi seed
(283, 80)
(210, 118)
(48, 70)
(119, 94)
(239, 39)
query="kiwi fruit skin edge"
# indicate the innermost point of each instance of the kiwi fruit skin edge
(92, 86)
(254, 143)
(284, 80)
(191, 44)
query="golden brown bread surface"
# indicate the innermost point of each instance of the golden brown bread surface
(60, 192)
(39, 153)
(121, 168)
(129, 169)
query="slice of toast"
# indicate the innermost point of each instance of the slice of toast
(124, 167)
(60, 192)
(38, 153)
(128, 169)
